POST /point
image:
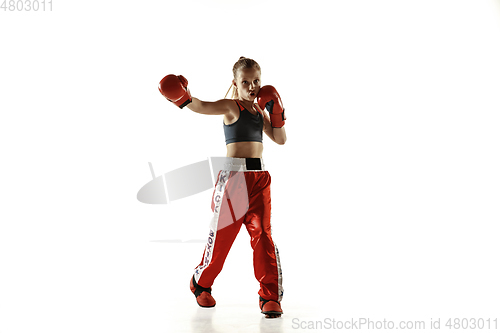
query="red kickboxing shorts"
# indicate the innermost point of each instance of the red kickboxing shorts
(242, 195)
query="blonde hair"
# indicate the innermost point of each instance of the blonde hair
(242, 63)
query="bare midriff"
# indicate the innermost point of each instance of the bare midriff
(251, 149)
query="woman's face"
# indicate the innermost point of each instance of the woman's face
(248, 83)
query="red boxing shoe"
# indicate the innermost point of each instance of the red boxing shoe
(272, 309)
(203, 295)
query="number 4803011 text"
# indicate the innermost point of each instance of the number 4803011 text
(26, 5)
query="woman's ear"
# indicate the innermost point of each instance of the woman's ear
(234, 83)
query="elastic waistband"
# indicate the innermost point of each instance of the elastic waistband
(244, 164)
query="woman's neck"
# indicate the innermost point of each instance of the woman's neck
(247, 104)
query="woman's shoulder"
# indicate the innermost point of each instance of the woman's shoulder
(231, 103)
(226, 104)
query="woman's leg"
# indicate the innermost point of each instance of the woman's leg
(267, 266)
(229, 202)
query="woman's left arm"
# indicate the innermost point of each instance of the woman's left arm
(277, 134)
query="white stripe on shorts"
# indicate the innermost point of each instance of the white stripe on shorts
(239, 164)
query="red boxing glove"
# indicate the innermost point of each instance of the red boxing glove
(269, 98)
(175, 89)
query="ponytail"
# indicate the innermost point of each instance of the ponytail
(234, 93)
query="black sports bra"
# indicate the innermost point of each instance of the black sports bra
(248, 127)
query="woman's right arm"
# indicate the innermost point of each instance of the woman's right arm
(219, 107)
(174, 88)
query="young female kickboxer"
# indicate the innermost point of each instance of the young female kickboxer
(242, 193)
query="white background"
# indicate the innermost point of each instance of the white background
(385, 196)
